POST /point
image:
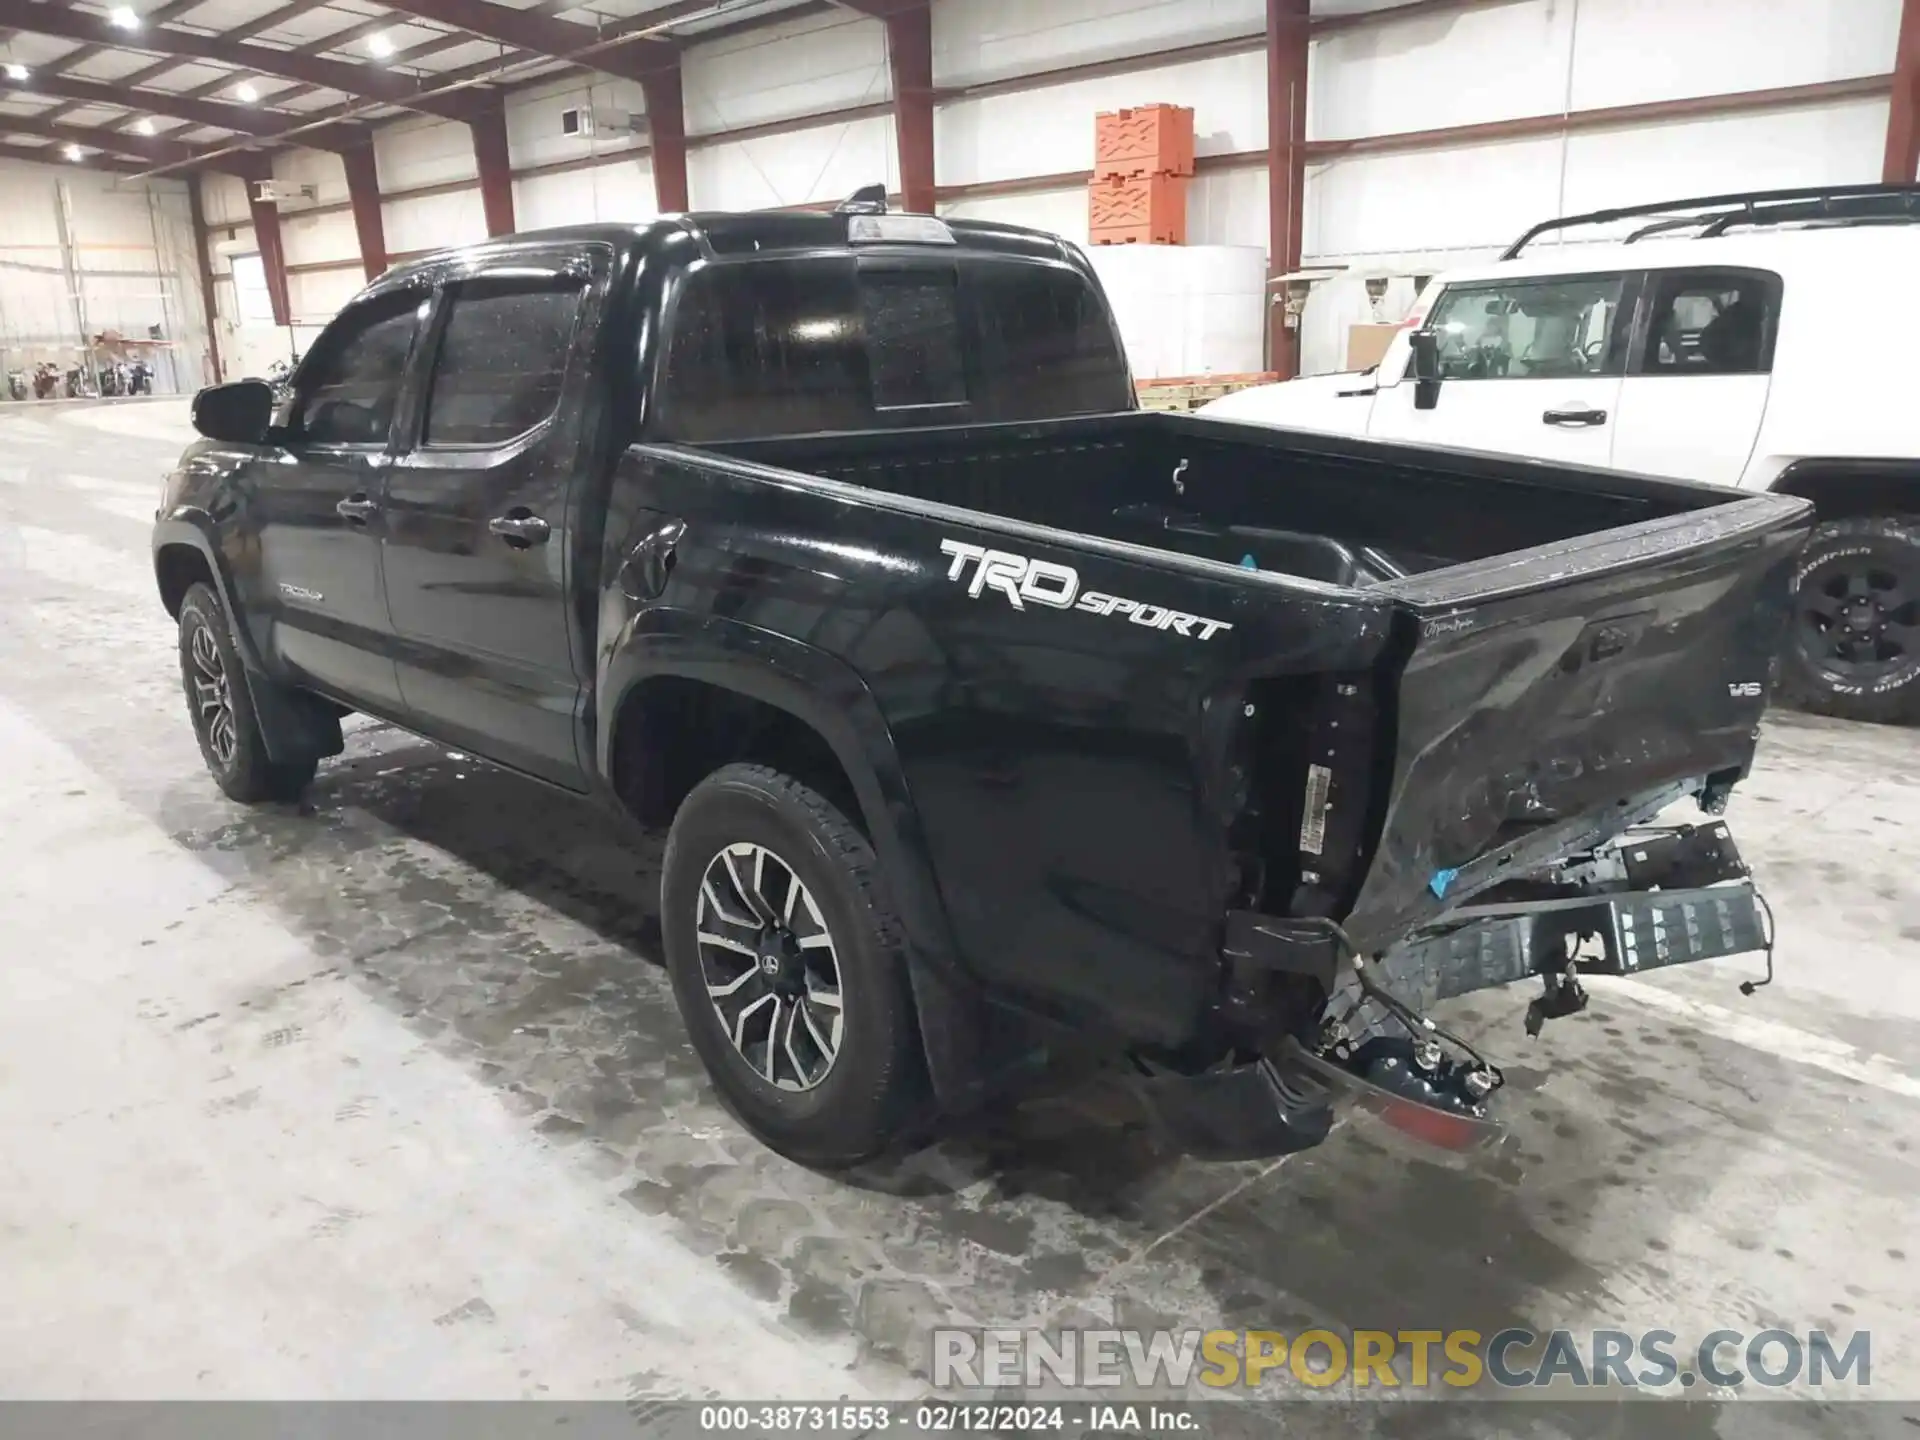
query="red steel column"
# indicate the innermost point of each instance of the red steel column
(910, 59)
(667, 136)
(363, 193)
(1286, 167)
(266, 235)
(490, 157)
(1903, 114)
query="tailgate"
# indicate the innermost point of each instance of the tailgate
(1545, 694)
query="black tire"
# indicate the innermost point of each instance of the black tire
(855, 1105)
(1854, 651)
(212, 677)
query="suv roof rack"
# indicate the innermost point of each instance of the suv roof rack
(1837, 203)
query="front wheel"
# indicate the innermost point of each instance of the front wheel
(221, 708)
(788, 964)
(1855, 648)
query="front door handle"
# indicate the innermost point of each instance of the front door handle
(520, 528)
(1574, 417)
(357, 509)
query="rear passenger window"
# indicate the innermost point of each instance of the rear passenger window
(502, 361)
(1707, 323)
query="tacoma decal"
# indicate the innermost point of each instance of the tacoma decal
(1057, 587)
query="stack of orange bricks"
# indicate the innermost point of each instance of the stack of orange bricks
(1142, 160)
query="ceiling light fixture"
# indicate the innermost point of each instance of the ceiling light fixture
(74, 152)
(144, 125)
(17, 71)
(247, 92)
(123, 17)
(380, 45)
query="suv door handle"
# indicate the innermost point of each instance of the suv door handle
(520, 528)
(356, 508)
(1574, 417)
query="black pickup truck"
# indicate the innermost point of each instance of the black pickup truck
(991, 718)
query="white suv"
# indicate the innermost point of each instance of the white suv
(1757, 341)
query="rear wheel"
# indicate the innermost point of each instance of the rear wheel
(1855, 649)
(788, 966)
(221, 708)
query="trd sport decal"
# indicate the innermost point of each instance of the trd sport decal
(1041, 582)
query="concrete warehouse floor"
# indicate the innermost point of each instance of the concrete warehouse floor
(390, 1098)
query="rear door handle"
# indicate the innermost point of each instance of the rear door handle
(520, 528)
(1574, 417)
(356, 508)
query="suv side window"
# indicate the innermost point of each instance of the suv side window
(351, 383)
(1545, 328)
(1704, 322)
(502, 360)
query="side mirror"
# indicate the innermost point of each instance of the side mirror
(239, 413)
(1424, 346)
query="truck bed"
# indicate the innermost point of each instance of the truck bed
(1324, 509)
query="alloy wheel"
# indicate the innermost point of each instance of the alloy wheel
(213, 696)
(770, 967)
(1861, 618)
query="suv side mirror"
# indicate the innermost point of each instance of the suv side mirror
(1425, 368)
(239, 413)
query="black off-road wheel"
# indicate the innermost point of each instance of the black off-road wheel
(788, 963)
(1855, 648)
(221, 708)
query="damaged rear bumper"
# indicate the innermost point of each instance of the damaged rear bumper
(1643, 902)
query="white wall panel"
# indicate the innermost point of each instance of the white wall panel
(428, 222)
(1814, 145)
(1470, 201)
(825, 62)
(1631, 51)
(1434, 200)
(1460, 68)
(620, 190)
(315, 296)
(977, 40)
(827, 162)
(1050, 130)
(1064, 212)
(426, 152)
(316, 239)
(1228, 207)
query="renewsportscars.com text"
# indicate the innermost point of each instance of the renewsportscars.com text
(1722, 1360)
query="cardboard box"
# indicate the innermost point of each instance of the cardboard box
(1367, 344)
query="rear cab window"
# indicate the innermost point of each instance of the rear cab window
(787, 345)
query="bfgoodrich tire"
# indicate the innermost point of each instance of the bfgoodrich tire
(1855, 648)
(787, 963)
(221, 708)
